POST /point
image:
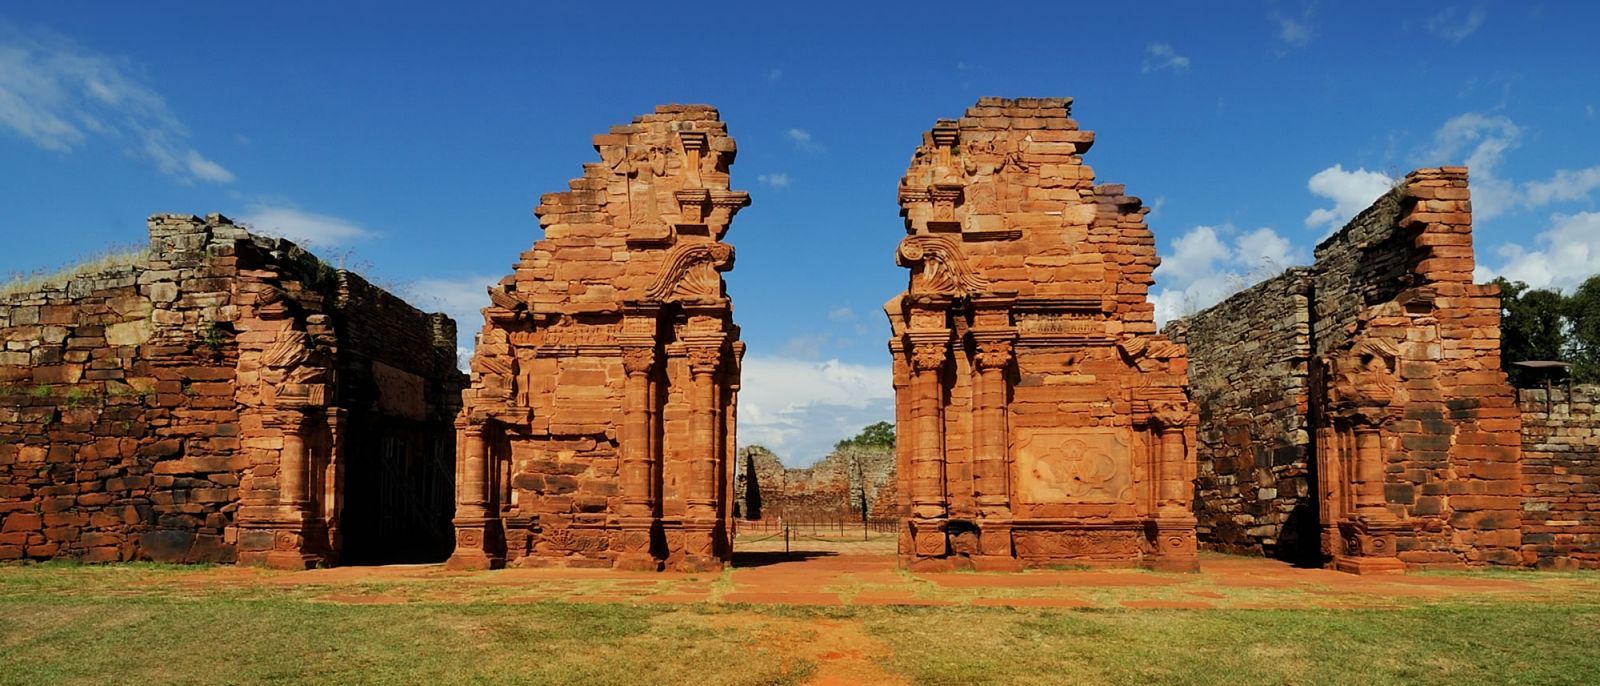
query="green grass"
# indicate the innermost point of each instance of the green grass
(145, 623)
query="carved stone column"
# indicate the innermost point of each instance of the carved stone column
(1367, 426)
(1173, 524)
(929, 351)
(638, 506)
(291, 544)
(701, 512)
(991, 468)
(1370, 533)
(475, 529)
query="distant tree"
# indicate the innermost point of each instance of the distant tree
(879, 435)
(1583, 315)
(1543, 324)
(1532, 327)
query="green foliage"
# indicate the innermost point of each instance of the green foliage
(42, 391)
(879, 435)
(1543, 324)
(1583, 311)
(76, 396)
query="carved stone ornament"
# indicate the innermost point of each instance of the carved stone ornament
(638, 360)
(691, 273)
(1170, 414)
(993, 354)
(704, 360)
(944, 268)
(928, 356)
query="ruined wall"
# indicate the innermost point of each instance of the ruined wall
(599, 425)
(1414, 428)
(1411, 347)
(1248, 371)
(1561, 477)
(1041, 418)
(829, 491)
(141, 408)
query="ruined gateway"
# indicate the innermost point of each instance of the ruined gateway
(1042, 419)
(599, 426)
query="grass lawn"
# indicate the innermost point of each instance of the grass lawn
(137, 623)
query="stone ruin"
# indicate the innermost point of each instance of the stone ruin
(1356, 410)
(228, 397)
(1043, 421)
(599, 425)
(224, 397)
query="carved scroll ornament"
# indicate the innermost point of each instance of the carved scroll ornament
(944, 268)
(692, 273)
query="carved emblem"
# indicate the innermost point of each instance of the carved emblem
(691, 273)
(1073, 466)
(944, 268)
(1364, 381)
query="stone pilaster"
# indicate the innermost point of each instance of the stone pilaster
(475, 529)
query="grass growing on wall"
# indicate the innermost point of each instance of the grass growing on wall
(118, 257)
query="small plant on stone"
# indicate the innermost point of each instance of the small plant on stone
(76, 397)
(41, 391)
(213, 336)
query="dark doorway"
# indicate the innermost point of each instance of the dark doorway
(399, 493)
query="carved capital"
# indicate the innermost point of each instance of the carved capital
(993, 354)
(704, 360)
(1170, 414)
(638, 361)
(928, 356)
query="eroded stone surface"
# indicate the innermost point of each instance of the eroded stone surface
(599, 424)
(227, 397)
(1042, 420)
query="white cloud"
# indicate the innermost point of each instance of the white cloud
(306, 228)
(802, 140)
(1484, 140)
(60, 95)
(1564, 185)
(775, 179)
(1567, 253)
(1205, 267)
(841, 314)
(1350, 191)
(800, 408)
(1161, 57)
(1451, 27)
(773, 75)
(1295, 33)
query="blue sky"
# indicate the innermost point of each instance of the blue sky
(411, 143)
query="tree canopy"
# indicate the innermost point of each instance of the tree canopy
(879, 435)
(1544, 324)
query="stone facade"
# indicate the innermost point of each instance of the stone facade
(1561, 477)
(1414, 429)
(599, 424)
(1042, 420)
(202, 403)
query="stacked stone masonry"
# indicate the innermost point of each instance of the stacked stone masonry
(1042, 420)
(1414, 431)
(1561, 477)
(599, 425)
(1249, 365)
(201, 403)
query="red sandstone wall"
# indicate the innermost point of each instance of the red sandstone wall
(1397, 283)
(1561, 477)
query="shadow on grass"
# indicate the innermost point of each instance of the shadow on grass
(764, 558)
